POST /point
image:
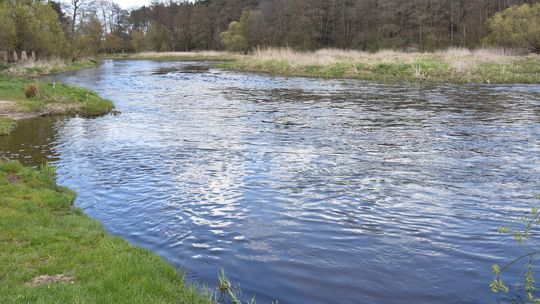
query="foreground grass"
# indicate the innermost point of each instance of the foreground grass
(51, 98)
(52, 253)
(453, 65)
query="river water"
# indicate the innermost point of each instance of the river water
(303, 190)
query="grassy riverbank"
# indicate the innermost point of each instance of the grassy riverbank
(47, 67)
(178, 56)
(22, 95)
(51, 253)
(453, 65)
(47, 98)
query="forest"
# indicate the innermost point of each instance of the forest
(80, 28)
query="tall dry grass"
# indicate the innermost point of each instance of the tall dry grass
(460, 57)
(195, 56)
(452, 65)
(40, 64)
(47, 66)
(172, 54)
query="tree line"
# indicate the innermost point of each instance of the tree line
(311, 24)
(87, 27)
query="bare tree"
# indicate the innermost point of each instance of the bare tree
(77, 8)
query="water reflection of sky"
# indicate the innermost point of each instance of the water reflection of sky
(305, 190)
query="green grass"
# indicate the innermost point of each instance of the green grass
(6, 125)
(53, 98)
(525, 70)
(41, 234)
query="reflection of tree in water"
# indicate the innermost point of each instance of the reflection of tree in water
(32, 142)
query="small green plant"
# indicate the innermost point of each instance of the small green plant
(524, 235)
(6, 126)
(31, 90)
(228, 292)
(47, 175)
(48, 170)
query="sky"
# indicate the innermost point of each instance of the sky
(132, 3)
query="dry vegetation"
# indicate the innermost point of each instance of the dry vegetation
(49, 66)
(457, 65)
(180, 56)
(461, 59)
(452, 65)
(325, 57)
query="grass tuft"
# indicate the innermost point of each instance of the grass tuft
(31, 90)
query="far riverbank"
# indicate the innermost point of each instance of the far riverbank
(452, 65)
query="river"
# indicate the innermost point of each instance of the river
(303, 190)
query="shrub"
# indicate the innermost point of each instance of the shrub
(245, 34)
(31, 90)
(516, 27)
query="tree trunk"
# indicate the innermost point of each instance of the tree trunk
(10, 56)
(74, 19)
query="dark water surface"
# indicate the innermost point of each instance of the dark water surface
(305, 191)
